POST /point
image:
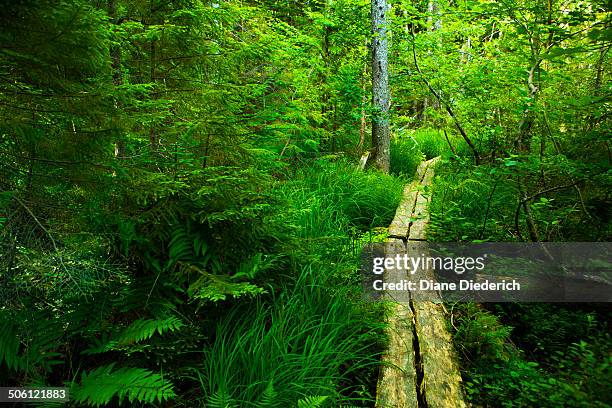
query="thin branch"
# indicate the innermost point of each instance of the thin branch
(59, 256)
(447, 106)
(562, 187)
(486, 216)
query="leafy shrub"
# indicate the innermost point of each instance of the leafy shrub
(543, 330)
(471, 204)
(475, 203)
(480, 334)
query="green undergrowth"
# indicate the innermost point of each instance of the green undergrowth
(526, 355)
(312, 339)
(409, 148)
(539, 355)
(462, 207)
(314, 336)
(235, 288)
(473, 203)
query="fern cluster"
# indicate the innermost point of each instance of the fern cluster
(100, 386)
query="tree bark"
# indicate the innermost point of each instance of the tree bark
(117, 79)
(381, 98)
(153, 138)
(434, 22)
(363, 121)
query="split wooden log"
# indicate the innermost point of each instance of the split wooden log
(397, 382)
(441, 382)
(419, 368)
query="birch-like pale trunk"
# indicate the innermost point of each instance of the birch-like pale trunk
(381, 98)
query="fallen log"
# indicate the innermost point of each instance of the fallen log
(419, 368)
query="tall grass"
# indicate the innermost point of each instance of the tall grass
(311, 341)
(327, 199)
(409, 148)
(405, 156)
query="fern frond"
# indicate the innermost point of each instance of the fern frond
(9, 346)
(181, 245)
(32, 344)
(221, 399)
(101, 385)
(45, 338)
(143, 329)
(100, 345)
(213, 288)
(314, 401)
(269, 396)
(186, 247)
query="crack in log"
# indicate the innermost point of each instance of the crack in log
(418, 362)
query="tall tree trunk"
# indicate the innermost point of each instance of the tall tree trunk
(381, 98)
(153, 139)
(115, 52)
(362, 127)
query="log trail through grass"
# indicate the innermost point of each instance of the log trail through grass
(420, 367)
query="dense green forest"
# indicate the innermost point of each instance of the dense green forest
(182, 212)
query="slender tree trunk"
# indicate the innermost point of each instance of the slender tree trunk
(538, 46)
(117, 79)
(449, 143)
(600, 69)
(152, 133)
(525, 203)
(434, 10)
(364, 100)
(153, 139)
(591, 122)
(381, 98)
(329, 123)
(434, 22)
(523, 142)
(362, 125)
